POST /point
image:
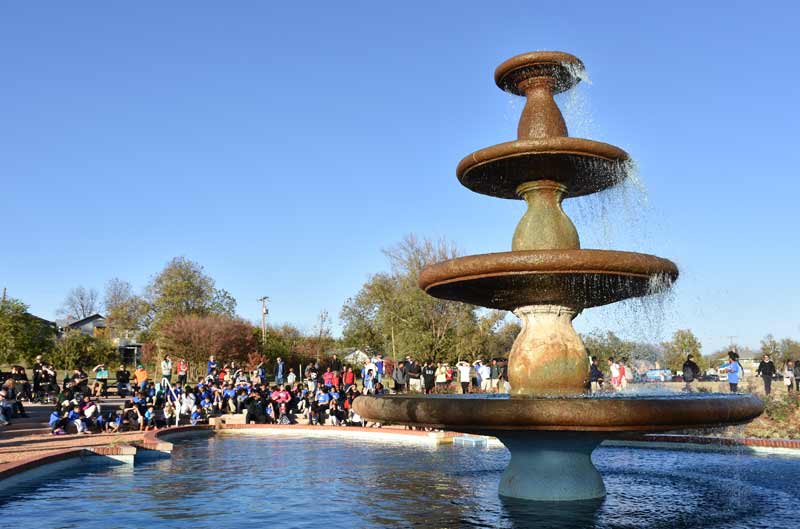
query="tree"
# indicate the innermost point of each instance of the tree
(195, 338)
(77, 350)
(124, 309)
(392, 315)
(80, 303)
(183, 288)
(22, 335)
(683, 343)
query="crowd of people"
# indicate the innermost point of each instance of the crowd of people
(319, 395)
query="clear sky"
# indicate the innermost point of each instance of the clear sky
(282, 147)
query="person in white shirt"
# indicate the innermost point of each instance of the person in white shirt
(613, 367)
(464, 370)
(486, 374)
(166, 368)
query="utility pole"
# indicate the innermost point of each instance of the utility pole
(264, 312)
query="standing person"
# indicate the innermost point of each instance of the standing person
(485, 376)
(183, 371)
(623, 374)
(613, 367)
(441, 376)
(414, 371)
(494, 375)
(788, 375)
(690, 372)
(734, 371)
(595, 376)
(280, 370)
(378, 361)
(428, 377)
(464, 375)
(38, 375)
(766, 370)
(336, 364)
(797, 375)
(400, 377)
(349, 379)
(166, 368)
(291, 378)
(211, 365)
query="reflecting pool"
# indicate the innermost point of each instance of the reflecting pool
(288, 482)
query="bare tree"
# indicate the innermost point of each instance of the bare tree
(80, 303)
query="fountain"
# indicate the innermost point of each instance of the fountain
(548, 422)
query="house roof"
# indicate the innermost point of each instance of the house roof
(87, 319)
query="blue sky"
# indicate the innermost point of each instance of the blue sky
(283, 147)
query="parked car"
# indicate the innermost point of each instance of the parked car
(658, 375)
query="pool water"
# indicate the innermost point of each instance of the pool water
(294, 482)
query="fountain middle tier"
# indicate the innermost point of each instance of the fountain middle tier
(571, 278)
(582, 166)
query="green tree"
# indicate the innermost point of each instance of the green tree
(125, 311)
(183, 288)
(683, 343)
(392, 315)
(22, 335)
(77, 350)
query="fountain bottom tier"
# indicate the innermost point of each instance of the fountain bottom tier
(551, 439)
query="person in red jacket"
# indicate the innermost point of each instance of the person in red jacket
(349, 379)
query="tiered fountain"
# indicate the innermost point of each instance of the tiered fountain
(548, 423)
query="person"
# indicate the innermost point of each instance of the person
(690, 372)
(495, 371)
(327, 377)
(766, 370)
(623, 374)
(441, 376)
(414, 371)
(123, 381)
(595, 376)
(369, 381)
(335, 364)
(211, 365)
(140, 375)
(797, 375)
(183, 371)
(400, 377)
(464, 370)
(280, 370)
(613, 368)
(100, 386)
(735, 371)
(38, 369)
(485, 376)
(788, 375)
(378, 361)
(349, 379)
(428, 377)
(166, 368)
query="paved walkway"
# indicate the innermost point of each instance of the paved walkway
(26, 437)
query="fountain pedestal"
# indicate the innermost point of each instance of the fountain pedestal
(550, 466)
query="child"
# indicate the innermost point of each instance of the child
(197, 415)
(76, 417)
(150, 418)
(57, 423)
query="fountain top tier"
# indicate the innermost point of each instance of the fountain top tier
(542, 149)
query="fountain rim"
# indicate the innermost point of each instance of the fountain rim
(552, 146)
(560, 60)
(578, 261)
(637, 414)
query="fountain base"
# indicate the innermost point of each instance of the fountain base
(550, 466)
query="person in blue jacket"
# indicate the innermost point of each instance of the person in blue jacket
(735, 371)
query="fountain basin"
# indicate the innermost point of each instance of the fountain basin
(551, 439)
(477, 413)
(576, 278)
(583, 166)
